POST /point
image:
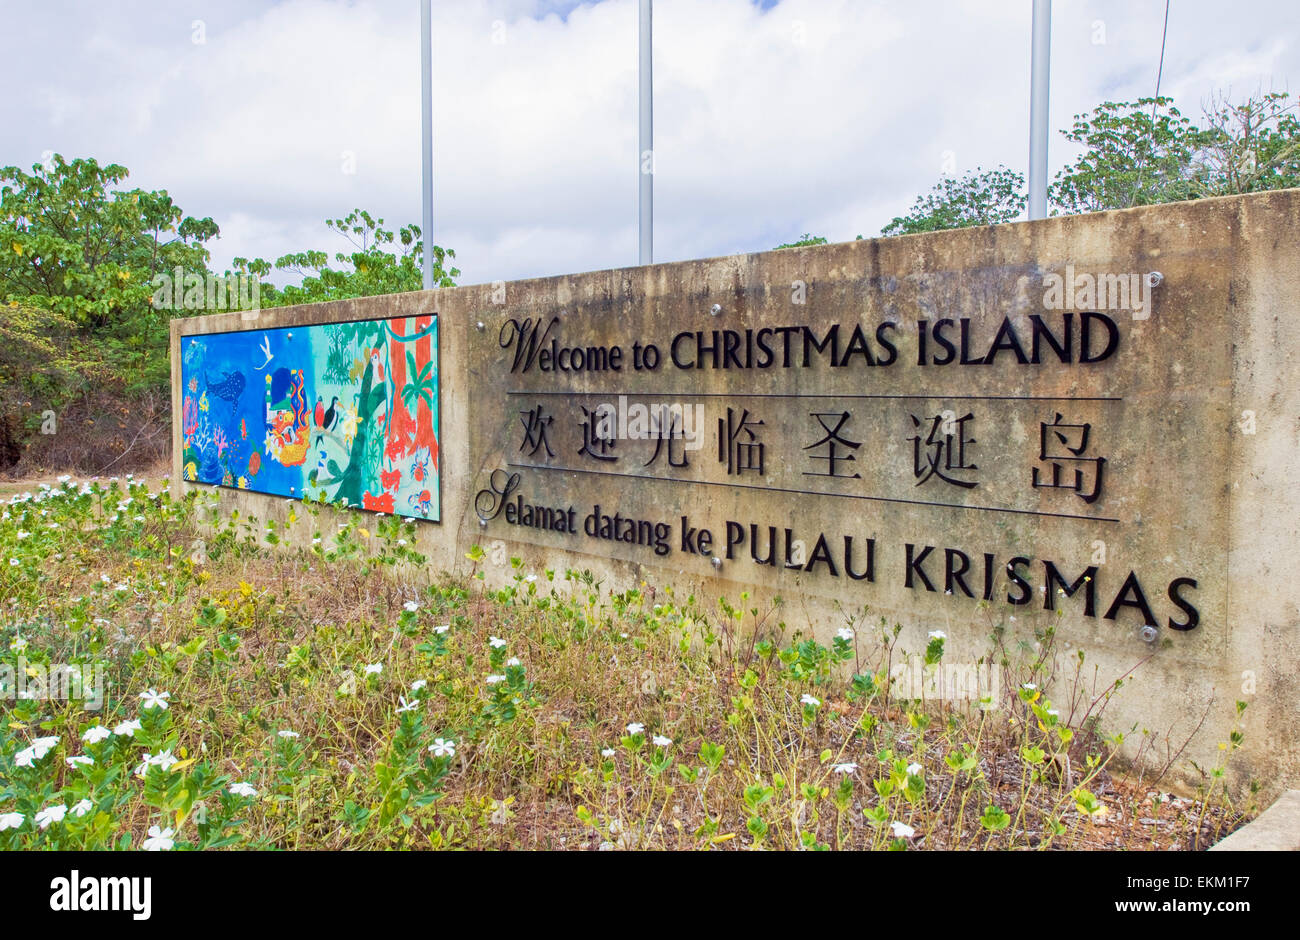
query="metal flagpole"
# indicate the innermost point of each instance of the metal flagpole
(1040, 77)
(426, 126)
(645, 162)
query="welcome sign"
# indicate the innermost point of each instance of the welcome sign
(888, 439)
(1073, 435)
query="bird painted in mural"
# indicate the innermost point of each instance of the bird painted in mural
(377, 365)
(266, 348)
(320, 411)
(331, 415)
(229, 388)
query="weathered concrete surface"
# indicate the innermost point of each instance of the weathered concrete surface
(1276, 830)
(1196, 412)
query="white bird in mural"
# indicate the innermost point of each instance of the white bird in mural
(266, 348)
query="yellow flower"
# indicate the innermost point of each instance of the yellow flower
(243, 483)
(18, 249)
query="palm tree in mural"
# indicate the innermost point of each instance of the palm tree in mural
(421, 385)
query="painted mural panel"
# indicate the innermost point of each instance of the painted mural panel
(344, 412)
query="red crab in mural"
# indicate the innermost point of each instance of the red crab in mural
(400, 434)
(420, 465)
(382, 503)
(423, 502)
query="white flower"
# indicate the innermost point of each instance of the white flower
(493, 680)
(513, 661)
(160, 840)
(51, 814)
(902, 830)
(14, 562)
(662, 740)
(374, 669)
(443, 747)
(412, 606)
(287, 734)
(418, 684)
(154, 699)
(608, 752)
(846, 768)
(1054, 712)
(914, 769)
(79, 759)
(128, 728)
(496, 642)
(163, 759)
(406, 706)
(442, 629)
(635, 728)
(10, 821)
(531, 578)
(18, 645)
(844, 633)
(242, 789)
(38, 749)
(82, 808)
(810, 701)
(938, 635)
(1030, 686)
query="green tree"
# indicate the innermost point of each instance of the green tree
(803, 241)
(1136, 153)
(982, 197)
(1249, 147)
(74, 246)
(35, 367)
(371, 268)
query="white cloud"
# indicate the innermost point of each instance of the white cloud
(828, 116)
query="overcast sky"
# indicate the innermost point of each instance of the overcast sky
(771, 118)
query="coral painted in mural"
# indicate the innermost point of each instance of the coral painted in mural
(339, 412)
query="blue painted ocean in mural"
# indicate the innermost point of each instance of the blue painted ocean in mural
(341, 412)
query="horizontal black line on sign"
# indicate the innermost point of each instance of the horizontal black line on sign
(832, 395)
(779, 489)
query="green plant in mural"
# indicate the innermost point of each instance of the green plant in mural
(423, 384)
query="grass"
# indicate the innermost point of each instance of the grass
(261, 695)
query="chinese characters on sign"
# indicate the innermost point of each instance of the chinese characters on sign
(943, 447)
